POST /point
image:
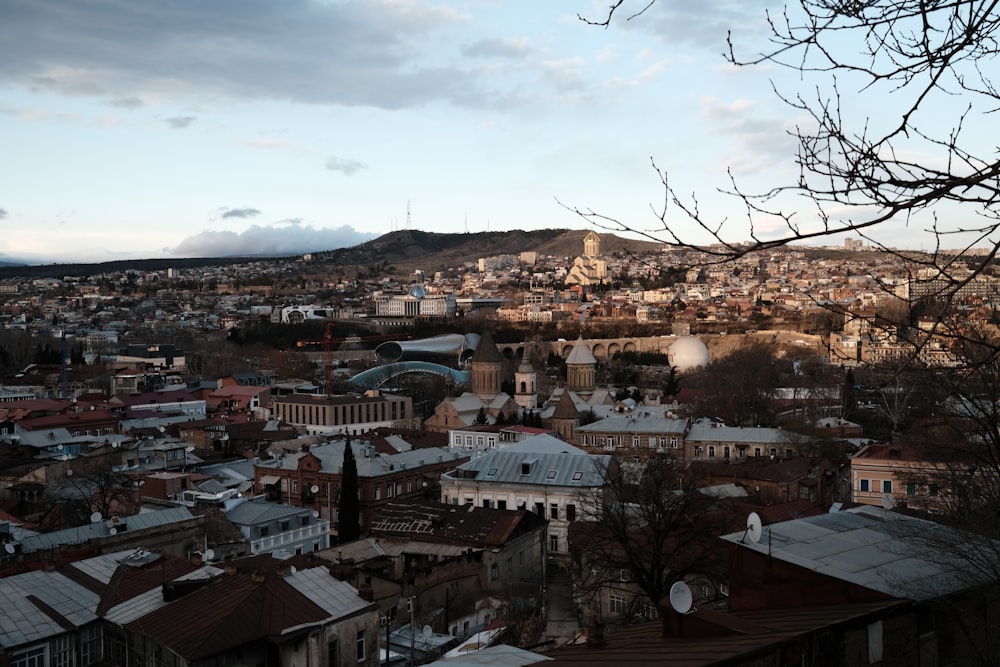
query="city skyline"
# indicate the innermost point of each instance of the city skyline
(139, 130)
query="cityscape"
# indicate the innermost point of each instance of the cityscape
(519, 458)
(461, 333)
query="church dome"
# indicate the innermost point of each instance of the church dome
(417, 292)
(688, 353)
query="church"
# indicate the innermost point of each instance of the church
(589, 269)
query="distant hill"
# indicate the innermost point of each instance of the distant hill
(405, 251)
(409, 249)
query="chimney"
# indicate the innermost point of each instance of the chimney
(257, 577)
(196, 558)
(229, 567)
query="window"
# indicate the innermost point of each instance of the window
(378, 492)
(577, 476)
(501, 504)
(525, 468)
(90, 645)
(540, 509)
(553, 511)
(571, 512)
(887, 486)
(635, 441)
(932, 489)
(911, 488)
(652, 442)
(673, 443)
(29, 657)
(756, 451)
(711, 451)
(551, 474)
(263, 531)
(494, 571)
(295, 486)
(361, 645)
(725, 452)
(553, 542)
(284, 526)
(648, 610)
(864, 485)
(492, 472)
(62, 651)
(486, 502)
(616, 604)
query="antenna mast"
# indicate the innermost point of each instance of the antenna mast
(407, 213)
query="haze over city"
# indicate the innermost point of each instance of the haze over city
(227, 128)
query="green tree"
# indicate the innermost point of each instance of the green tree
(349, 507)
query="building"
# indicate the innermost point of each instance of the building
(541, 474)
(273, 528)
(348, 414)
(897, 474)
(312, 476)
(590, 268)
(638, 435)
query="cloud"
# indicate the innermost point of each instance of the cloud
(240, 213)
(126, 102)
(289, 237)
(375, 53)
(511, 47)
(344, 166)
(179, 122)
(3, 213)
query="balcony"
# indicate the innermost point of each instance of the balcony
(265, 544)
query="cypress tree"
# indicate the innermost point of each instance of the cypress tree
(350, 504)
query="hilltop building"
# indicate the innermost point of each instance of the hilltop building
(590, 268)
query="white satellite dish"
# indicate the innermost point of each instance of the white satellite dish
(113, 531)
(680, 597)
(95, 517)
(208, 555)
(755, 527)
(9, 548)
(888, 503)
(69, 472)
(315, 514)
(314, 488)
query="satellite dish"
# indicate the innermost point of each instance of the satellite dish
(293, 569)
(9, 548)
(755, 527)
(314, 488)
(208, 555)
(113, 531)
(69, 472)
(95, 517)
(428, 632)
(887, 502)
(680, 597)
(315, 514)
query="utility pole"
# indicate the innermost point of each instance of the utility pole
(412, 603)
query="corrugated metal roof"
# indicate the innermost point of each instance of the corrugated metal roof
(560, 469)
(883, 551)
(24, 621)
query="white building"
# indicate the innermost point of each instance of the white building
(542, 474)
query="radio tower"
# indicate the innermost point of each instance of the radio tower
(407, 213)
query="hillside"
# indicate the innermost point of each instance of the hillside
(409, 250)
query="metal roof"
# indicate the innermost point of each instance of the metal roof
(38, 605)
(538, 468)
(900, 556)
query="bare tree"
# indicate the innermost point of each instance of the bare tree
(651, 528)
(916, 62)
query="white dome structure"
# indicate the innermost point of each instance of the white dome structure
(688, 354)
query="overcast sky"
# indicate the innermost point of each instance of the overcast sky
(153, 128)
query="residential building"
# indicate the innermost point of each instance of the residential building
(349, 414)
(643, 433)
(278, 529)
(541, 474)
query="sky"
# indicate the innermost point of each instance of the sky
(145, 128)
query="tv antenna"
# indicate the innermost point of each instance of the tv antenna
(755, 528)
(681, 598)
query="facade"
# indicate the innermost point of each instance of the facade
(312, 477)
(350, 414)
(713, 441)
(484, 437)
(640, 435)
(896, 474)
(541, 474)
(272, 528)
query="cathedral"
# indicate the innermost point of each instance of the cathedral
(590, 268)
